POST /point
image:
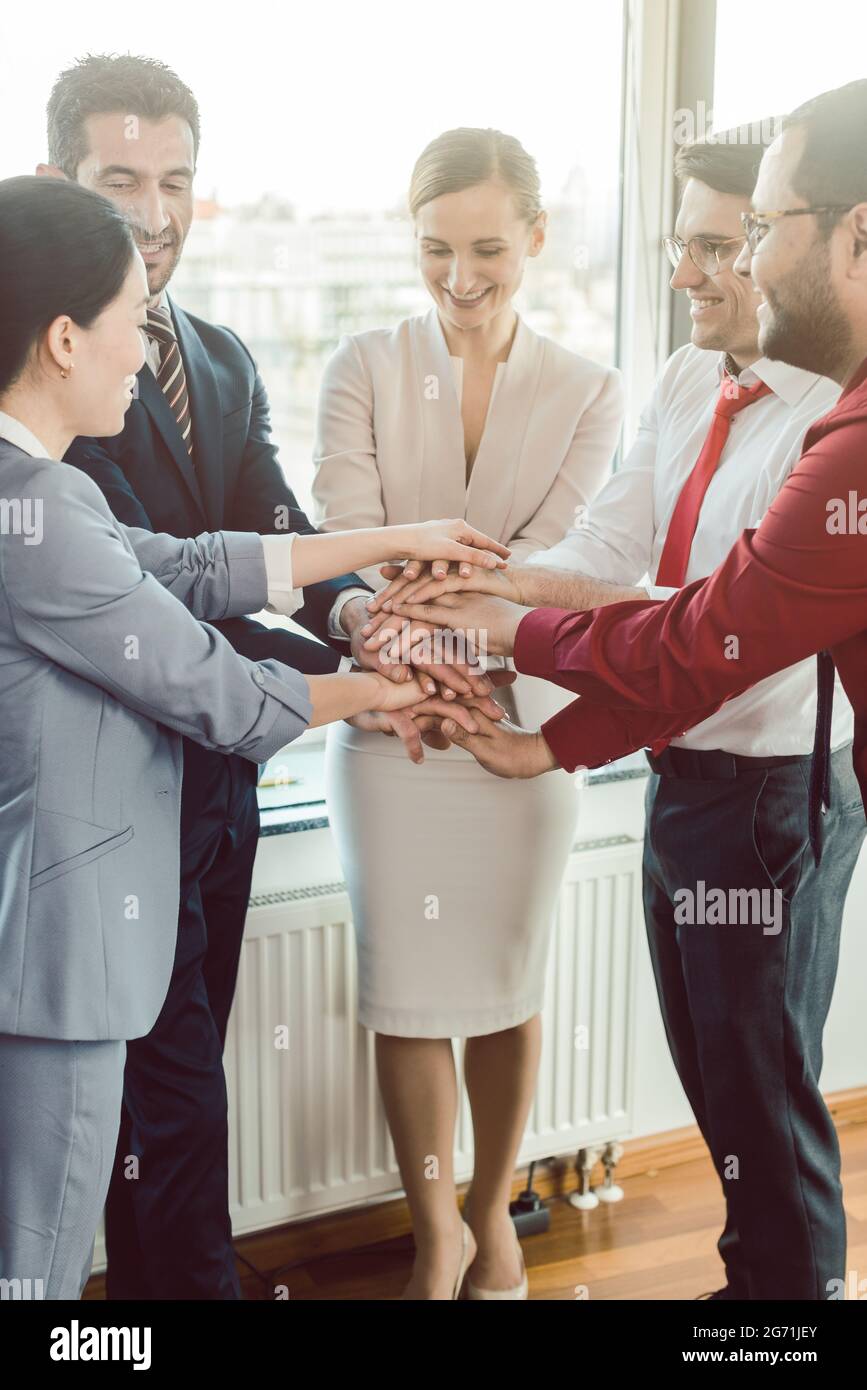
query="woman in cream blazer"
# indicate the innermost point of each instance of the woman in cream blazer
(454, 875)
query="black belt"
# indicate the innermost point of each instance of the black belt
(712, 764)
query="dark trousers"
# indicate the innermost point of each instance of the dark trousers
(168, 1231)
(744, 1004)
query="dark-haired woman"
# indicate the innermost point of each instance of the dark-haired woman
(453, 874)
(101, 670)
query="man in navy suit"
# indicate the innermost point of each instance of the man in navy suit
(195, 455)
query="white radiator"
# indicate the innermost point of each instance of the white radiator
(307, 1130)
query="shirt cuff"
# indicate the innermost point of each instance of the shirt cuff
(584, 736)
(282, 596)
(334, 628)
(345, 665)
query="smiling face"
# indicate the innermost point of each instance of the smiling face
(799, 272)
(472, 249)
(146, 169)
(102, 360)
(722, 306)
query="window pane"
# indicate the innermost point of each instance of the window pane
(771, 56)
(312, 119)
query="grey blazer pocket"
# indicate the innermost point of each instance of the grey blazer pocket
(85, 856)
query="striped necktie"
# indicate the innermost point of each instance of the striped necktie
(171, 377)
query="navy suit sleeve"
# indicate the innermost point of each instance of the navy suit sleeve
(258, 642)
(262, 491)
(248, 637)
(110, 478)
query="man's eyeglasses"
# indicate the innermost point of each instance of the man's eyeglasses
(706, 255)
(758, 224)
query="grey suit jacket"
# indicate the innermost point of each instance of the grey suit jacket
(101, 671)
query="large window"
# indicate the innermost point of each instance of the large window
(312, 118)
(772, 56)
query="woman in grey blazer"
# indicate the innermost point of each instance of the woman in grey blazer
(102, 670)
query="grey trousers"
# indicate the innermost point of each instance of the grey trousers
(59, 1119)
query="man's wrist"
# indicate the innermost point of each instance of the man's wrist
(522, 578)
(543, 756)
(511, 633)
(353, 613)
(336, 631)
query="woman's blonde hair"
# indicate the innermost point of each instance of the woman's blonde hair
(469, 155)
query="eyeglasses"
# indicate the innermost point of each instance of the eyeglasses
(757, 224)
(704, 254)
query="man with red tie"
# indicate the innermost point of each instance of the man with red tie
(743, 922)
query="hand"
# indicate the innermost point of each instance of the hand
(493, 621)
(432, 651)
(503, 748)
(442, 541)
(422, 723)
(352, 620)
(388, 695)
(412, 727)
(416, 583)
(429, 721)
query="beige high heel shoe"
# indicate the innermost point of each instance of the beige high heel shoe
(521, 1290)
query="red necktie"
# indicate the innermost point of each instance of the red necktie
(674, 559)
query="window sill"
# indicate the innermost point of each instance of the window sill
(297, 799)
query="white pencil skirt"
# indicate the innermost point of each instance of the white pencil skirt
(453, 875)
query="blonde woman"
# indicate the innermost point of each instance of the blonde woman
(454, 875)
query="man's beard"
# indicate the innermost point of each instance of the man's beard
(808, 329)
(163, 274)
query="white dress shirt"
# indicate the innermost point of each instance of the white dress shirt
(622, 535)
(282, 597)
(280, 557)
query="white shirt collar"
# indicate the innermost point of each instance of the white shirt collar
(791, 384)
(21, 436)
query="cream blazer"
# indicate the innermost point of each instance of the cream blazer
(390, 448)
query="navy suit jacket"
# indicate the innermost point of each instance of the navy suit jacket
(233, 481)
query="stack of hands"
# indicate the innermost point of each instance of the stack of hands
(428, 633)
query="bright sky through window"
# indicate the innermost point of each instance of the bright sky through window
(329, 105)
(772, 55)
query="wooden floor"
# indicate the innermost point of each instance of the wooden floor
(658, 1243)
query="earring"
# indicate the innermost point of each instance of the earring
(64, 372)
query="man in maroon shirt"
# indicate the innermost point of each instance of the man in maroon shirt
(646, 671)
(794, 586)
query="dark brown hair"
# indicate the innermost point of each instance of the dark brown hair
(104, 82)
(729, 160)
(470, 155)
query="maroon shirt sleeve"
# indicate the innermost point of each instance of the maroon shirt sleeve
(794, 586)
